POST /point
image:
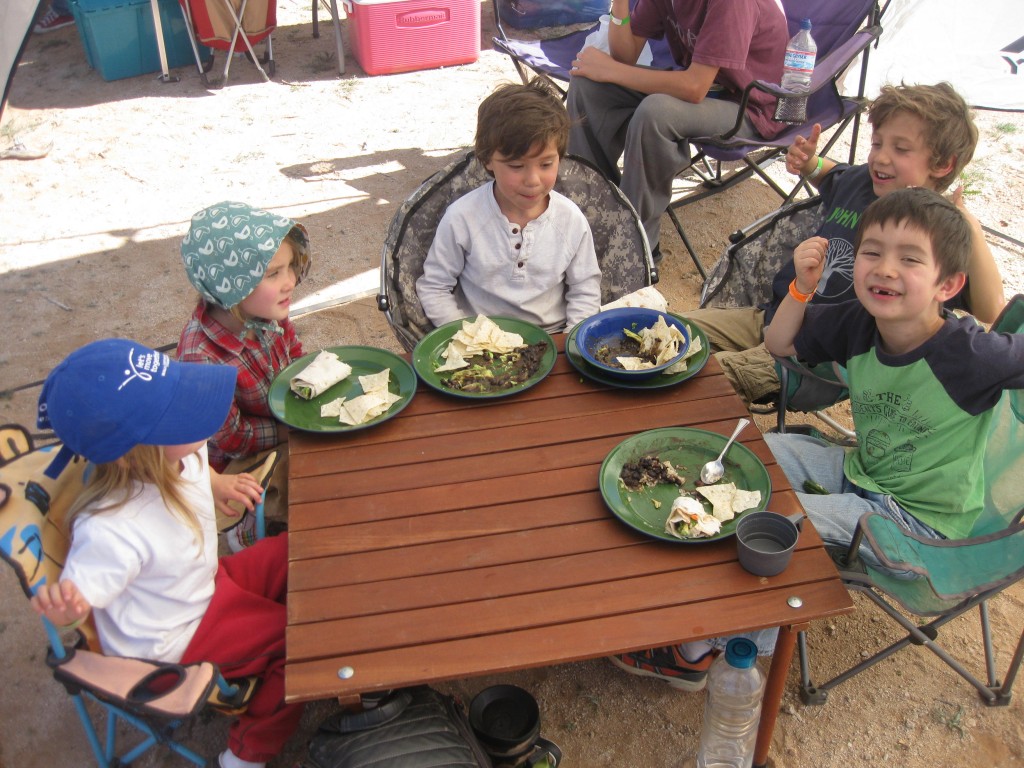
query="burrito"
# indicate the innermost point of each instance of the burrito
(324, 372)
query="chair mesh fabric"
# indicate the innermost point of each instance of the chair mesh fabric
(619, 239)
(743, 274)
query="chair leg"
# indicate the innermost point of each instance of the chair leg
(992, 694)
(686, 242)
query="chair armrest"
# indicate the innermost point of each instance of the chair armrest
(826, 72)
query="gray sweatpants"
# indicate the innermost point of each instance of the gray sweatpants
(653, 132)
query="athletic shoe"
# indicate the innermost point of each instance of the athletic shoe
(52, 20)
(667, 664)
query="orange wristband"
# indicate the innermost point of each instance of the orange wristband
(803, 298)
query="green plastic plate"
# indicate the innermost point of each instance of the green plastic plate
(688, 450)
(428, 355)
(305, 414)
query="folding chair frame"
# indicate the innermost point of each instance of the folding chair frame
(992, 691)
(156, 731)
(953, 599)
(710, 152)
(331, 6)
(218, 82)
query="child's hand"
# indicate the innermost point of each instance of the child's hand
(800, 152)
(62, 603)
(809, 262)
(241, 488)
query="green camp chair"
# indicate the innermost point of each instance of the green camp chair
(952, 576)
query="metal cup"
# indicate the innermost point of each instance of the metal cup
(765, 541)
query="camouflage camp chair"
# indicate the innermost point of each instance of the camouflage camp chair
(154, 698)
(953, 576)
(619, 239)
(742, 277)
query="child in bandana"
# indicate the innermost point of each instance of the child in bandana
(245, 264)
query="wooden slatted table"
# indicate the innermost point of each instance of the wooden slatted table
(468, 537)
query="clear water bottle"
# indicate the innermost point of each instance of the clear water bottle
(732, 709)
(801, 51)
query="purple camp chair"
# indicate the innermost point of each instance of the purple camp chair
(843, 30)
(552, 57)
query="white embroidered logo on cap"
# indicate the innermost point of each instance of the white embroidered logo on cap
(144, 367)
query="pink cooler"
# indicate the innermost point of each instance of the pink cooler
(388, 36)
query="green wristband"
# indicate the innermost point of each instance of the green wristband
(813, 175)
(617, 21)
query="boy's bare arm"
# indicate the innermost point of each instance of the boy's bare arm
(623, 44)
(985, 289)
(809, 261)
(802, 158)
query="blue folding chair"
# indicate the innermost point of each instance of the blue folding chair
(154, 698)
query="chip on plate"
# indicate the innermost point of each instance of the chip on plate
(727, 500)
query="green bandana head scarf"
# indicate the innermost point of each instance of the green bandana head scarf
(228, 247)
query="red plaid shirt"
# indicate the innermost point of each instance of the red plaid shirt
(250, 427)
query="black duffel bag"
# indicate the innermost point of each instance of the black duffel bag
(412, 728)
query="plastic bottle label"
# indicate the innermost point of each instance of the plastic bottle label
(800, 61)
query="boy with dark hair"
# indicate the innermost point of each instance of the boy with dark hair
(922, 136)
(923, 385)
(514, 246)
(923, 382)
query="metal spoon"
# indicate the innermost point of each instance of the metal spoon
(714, 471)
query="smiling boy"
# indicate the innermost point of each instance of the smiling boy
(921, 136)
(514, 247)
(922, 382)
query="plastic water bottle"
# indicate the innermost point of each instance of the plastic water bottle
(732, 709)
(801, 51)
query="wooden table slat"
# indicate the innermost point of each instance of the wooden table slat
(557, 644)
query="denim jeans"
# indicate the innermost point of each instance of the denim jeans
(835, 516)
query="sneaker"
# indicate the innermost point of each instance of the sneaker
(242, 534)
(52, 20)
(667, 664)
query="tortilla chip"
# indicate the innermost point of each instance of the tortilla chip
(332, 409)
(484, 335)
(634, 363)
(453, 358)
(375, 382)
(680, 365)
(727, 500)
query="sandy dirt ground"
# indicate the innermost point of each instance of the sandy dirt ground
(89, 249)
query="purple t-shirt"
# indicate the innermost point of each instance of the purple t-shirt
(745, 39)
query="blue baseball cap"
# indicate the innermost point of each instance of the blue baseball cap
(111, 395)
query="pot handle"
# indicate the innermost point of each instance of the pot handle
(545, 749)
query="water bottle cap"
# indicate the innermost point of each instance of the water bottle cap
(805, 24)
(741, 653)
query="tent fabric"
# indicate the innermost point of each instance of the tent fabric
(977, 47)
(16, 17)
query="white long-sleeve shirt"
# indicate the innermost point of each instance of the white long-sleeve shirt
(481, 263)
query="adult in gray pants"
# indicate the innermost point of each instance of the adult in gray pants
(647, 115)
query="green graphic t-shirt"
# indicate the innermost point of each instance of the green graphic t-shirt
(921, 418)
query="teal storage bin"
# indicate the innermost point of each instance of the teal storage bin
(120, 41)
